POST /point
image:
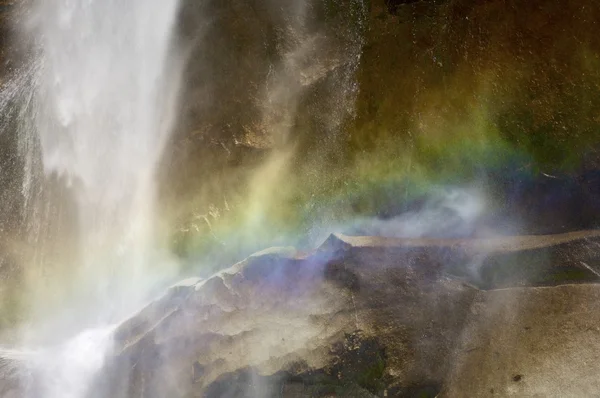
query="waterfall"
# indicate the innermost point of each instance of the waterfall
(103, 95)
(102, 86)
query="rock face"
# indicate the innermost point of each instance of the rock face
(260, 76)
(367, 317)
(366, 94)
(532, 342)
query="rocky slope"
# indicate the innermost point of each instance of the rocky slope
(372, 317)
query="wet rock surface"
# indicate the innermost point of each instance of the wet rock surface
(365, 317)
(527, 342)
(371, 84)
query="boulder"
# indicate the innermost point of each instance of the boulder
(365, 317)
(346, 319)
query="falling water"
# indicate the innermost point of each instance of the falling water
(103, 93)
(104, 81)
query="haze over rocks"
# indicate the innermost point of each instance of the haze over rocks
(371, 317)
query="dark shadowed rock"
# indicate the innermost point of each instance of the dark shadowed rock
(260, 75)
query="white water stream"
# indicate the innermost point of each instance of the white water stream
(104, 87)
(105, 91)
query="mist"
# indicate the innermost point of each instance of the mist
(400, 159)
